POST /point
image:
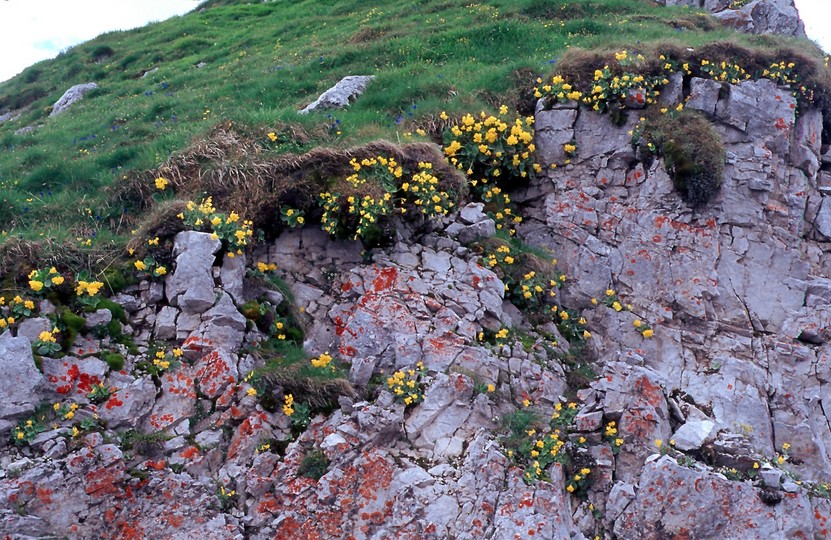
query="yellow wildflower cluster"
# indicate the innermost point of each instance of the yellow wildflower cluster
(381, 168)
(160, 362)
(724, 71)
(161, 183)
(358, 205)
(498, 204)
(234, 233)
(41, 280)
(500, 256)
(558, 88)
(288, 404)
(266, 267)
(491, 147)
(424, 193)
(404, 384)
(47, 337)
(579, 481)
(543, 452)
(18, 308)
(150, 266)
(292, 217)
(610, 433)
(618, 82)
(322, 361)
(89, 288)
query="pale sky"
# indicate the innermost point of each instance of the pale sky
(34, 30)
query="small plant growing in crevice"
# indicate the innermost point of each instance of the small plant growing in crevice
(692, 150)
(314, 464)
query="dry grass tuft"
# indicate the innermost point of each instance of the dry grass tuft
(18, 257)
(238, 174)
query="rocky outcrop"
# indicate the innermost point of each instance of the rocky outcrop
(340, 95)
(70, 97)
(21, 380)
(754, 17)
(692, 405)
(732, 289)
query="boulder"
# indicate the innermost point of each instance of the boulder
(71, 96)
(21, 382)
(191, 285)
(340, 95)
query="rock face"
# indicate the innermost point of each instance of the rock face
(697, 398)
(340, 95)
(21, 380)
(70, 97)
(755, 17)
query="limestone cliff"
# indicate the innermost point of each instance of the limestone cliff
(679, 391)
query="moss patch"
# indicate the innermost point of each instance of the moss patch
(692, 150)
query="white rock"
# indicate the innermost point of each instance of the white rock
(693, 434)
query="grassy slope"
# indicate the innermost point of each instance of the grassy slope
(265, 61)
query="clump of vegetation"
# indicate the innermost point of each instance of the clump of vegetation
(316, 382)
(314, 464)
(692, 151)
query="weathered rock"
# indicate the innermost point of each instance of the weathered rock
(74, 377)
(822, 223)
(231, 277)
(765, 17)
(553, 130)
(723, 508)
(693, 434)
(99, 317)
(70, 97)
(191, 285)
(165, 327)
(703, 95)
(214, 372)
(129, 402)
(31, 328)
(222, 326)
(340, 95)
(21, 381)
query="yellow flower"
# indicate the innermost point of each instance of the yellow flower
(616, 306)
(637, 323)
(658, 442)
(57, 280)
(648, 333)
(786, 447)
(161, 183)
(160, 271)
(36, 285)
(491, 388)
(140, 265)
(251, 392)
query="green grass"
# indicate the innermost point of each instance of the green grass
(266, 61)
